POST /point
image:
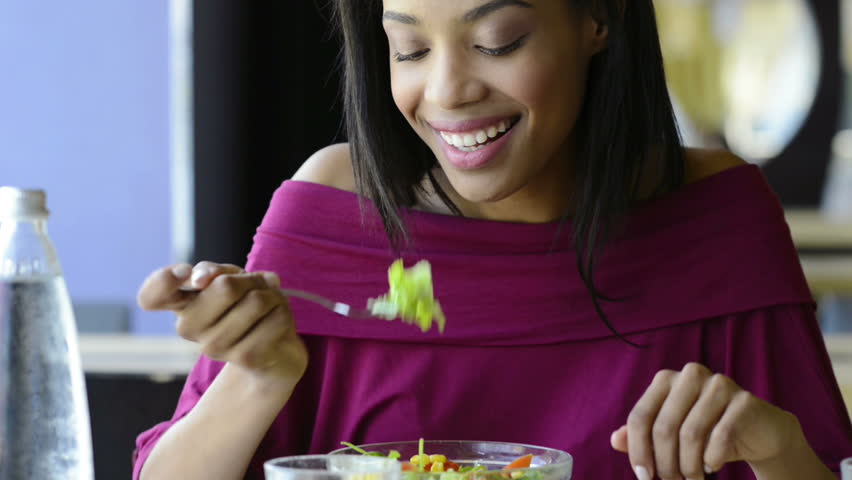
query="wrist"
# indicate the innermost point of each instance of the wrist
(796, 461)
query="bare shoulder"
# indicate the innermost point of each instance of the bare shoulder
(330, 166)
(703, 163)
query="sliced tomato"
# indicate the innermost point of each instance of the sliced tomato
(523, 462)
(450, 464)
(408, 467)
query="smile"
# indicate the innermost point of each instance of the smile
(474, 140)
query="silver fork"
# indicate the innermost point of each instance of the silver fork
(337, 307)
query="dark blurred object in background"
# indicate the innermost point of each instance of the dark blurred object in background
(798, 173)
(265, 92)
(122, 407)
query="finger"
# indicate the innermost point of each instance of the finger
(666, 430)
(722, 441)
(160, 291)
(205, 272)
(272, 279)
(618, 439)
(262, 347)
(214, 301)
(694, 433)
(641, 420)
(238, 321)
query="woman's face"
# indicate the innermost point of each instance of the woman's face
(494, 88)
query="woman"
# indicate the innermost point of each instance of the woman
(606, 290)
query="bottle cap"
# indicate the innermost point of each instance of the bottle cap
(19, 202)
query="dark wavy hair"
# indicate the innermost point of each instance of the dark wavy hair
(626, 127)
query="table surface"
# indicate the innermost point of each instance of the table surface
(811, 230)
(158, 357)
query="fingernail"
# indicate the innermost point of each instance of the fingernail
(707, 469)
(197, 275)
(181, 271)
(642, 473)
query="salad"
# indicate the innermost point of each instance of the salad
(436, 463)
(411, 297)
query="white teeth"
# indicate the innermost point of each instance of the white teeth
(471, 141)
(471, 149)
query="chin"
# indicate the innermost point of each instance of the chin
(484, 190)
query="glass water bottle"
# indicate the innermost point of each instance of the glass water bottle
(44, 428)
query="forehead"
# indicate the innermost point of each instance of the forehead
(433, 4)
(443, 10)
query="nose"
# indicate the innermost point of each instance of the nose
(453, 83)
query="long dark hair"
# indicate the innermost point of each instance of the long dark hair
(626, 127)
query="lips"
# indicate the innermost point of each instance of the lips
(473, 144)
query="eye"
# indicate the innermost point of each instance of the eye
(405, 57)
(504, 50)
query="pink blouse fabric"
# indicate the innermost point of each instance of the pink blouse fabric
(707, 274)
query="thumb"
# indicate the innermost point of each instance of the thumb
(161, 290)
(618, 439)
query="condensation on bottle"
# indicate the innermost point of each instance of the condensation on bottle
(44, 431)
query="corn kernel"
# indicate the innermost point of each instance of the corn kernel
(418, 460)
(437, 458)
(517, 474)
(437, 466)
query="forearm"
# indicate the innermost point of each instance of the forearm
(218, 438)
(801, 462)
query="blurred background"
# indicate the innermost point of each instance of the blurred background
(160, 128)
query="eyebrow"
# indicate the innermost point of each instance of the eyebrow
(400, 17)
(491, 7)
(469, 17)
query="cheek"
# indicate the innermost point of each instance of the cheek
(551, 90)
(405, 90)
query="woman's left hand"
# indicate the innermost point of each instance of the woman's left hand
(693, 421)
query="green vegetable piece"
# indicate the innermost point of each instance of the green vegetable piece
(411, 297)
(393, 454)
(355, 447)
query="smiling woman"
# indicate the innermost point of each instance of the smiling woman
(576, 87)
(606, 291)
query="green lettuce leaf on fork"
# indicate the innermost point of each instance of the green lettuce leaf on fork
(411, 297)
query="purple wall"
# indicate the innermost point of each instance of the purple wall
(84, 114)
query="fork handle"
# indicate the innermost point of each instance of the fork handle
(337, 307)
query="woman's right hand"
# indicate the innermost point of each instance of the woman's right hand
(237, 317)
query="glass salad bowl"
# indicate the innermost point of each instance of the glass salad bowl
(471, 460)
